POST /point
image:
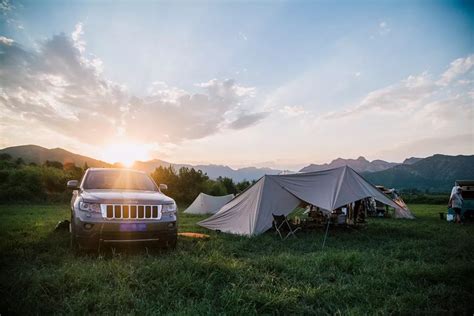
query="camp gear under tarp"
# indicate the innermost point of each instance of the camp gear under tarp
(283, 227)
(402, 210)
(208, 204)
(250, 213)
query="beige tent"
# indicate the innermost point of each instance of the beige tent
(207, 204)
(250, 213)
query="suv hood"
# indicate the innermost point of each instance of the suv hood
(125, 197)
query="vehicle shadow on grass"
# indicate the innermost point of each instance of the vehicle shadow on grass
(105, 251)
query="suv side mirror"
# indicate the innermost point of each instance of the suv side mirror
(163, 187)
(72, 184)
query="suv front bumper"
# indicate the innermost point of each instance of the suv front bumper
(91, 235)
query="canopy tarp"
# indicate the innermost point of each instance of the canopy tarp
(208, 204)
(250, 213)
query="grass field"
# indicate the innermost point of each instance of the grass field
(392, 266)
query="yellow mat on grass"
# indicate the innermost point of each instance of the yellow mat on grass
(194, 235)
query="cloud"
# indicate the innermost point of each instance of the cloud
(6, 7)
(407, 94)
(449, 145)
(243, 36)
(456, 69)
(76, 36)
(61, 88)
(454, 88)
(293, 110)
(171, 114)
(228, 86)
(6, 41)
(384, 29)
(247, 120)
(9, 14)
(416, 108)
(57, 88)
(451, 111)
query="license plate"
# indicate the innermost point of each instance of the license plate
(132, 227)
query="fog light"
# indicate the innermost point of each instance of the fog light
(88, 226)
(171, 225)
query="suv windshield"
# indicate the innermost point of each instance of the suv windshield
(118, 179)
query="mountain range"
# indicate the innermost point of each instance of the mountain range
(436, 173)
(38, 155)
(360, 165)
(213, 171)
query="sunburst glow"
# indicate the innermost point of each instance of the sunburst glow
(125, 153)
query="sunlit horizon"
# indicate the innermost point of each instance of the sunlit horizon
(289, 84)
(125, 153)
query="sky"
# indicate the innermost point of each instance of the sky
(242, 83)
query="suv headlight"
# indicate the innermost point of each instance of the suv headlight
(89, 207)
(169, 208)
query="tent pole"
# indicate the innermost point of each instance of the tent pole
(326, 234)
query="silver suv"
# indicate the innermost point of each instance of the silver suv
(120, 206)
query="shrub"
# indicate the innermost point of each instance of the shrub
(33, 183)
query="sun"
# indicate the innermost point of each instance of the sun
(125, 153)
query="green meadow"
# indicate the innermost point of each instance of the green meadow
(390, 266)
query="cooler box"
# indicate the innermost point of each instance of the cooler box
(451, 215)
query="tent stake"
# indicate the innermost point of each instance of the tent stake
(326, 234)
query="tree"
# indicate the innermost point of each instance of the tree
(73, 171)
(191, 182)
(7, 163)
(19, 161)
(68, 166)
(21, 184)
(215, 188)
(242, 185)
(168, 176)
(54, 180)
(53, 164)
(5, 156)
(228, 184)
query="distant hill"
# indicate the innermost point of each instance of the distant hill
(39, 155)
(360, 165)
(412, 160)
(151, 165)
(436, 173)
(213, 171)
(249, 173)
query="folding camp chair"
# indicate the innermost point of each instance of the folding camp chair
(282, 226)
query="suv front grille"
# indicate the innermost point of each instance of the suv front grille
(131, 211)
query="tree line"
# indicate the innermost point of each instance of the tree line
(185, 184)
(30, 182)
